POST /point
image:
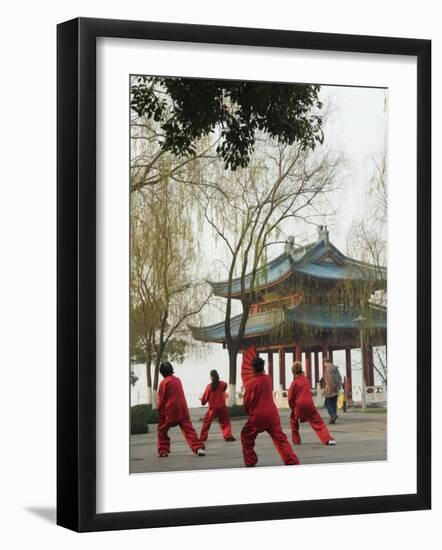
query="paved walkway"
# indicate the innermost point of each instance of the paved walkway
(360, 437)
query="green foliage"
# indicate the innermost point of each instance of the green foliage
(236, 410)
(133, 378)
(138, 427)
(140, 417)
(186, 110)
(175, 350)
(141, 348)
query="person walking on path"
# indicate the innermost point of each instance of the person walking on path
(303, 409)
(263, 417)
(173, 411)
(215, 396)
(332, 383)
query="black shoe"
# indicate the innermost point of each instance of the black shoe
(333, 419)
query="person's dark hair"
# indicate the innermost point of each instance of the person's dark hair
(258, 364)
(166, 369)
(215, 379)
(297, 367)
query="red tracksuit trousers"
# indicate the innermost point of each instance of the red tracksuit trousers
(224, 421)
(249, 434)
(188, 432)
(316, 423)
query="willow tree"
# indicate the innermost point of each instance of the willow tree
(165, 291)
(247, 211)
(150, 163)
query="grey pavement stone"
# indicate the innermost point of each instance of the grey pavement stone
(360, 437)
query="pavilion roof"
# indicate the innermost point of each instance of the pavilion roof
(304, 316)
(335, 317)
(319, 260)
(260, 323)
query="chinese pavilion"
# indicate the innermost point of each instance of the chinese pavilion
(310, 300)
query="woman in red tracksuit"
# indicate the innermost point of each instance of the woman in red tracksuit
(173, 411)
(303, 408)
(263, 417)
(215, 395)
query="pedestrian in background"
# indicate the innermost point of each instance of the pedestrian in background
(332, 382)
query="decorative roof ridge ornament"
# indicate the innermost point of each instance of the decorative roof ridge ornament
(322, 250)
(289, 246)
(323, 234)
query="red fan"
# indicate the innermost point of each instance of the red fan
(246, 367)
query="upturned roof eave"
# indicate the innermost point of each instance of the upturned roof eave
(295, 267)
(340, 325)
(199, 333)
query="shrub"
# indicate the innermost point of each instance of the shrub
(236, 410)
(140, 417)
(138, 427)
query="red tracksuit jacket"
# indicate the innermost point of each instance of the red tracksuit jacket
(217, 398)
(259, 403)
(172, 404)
(300, 398)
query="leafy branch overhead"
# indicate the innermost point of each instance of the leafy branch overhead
(186, 110)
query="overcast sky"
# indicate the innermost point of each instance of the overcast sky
(357, 128)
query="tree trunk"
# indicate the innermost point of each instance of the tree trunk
(232, 378)
(154, 400)
(149, 382)
(155, 385)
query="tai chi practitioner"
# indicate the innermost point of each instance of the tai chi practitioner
(263, 417)
(303, 409)
(215, 396)
(173, 411)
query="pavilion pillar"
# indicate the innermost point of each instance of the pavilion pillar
(270, 366)
(367, 361)
(370, 366)
(325, 349)
(330, 354)
(316, 367)
(348, 380)
(324, 353)
(298, 352)
(308, 366)
(282, 369)
(364, 356)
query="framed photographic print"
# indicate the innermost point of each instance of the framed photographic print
(243, 274)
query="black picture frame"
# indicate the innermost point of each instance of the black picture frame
(76, 274)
